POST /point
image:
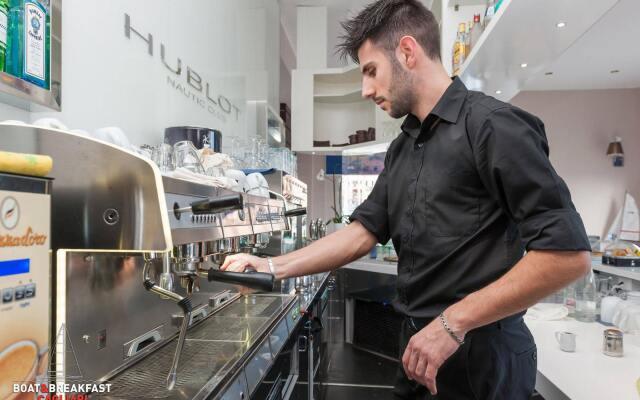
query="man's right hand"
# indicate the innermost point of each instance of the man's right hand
(241, 262)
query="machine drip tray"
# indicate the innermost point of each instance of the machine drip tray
(211, 351)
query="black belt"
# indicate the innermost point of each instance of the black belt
(512, 320)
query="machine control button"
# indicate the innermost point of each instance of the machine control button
(7, 295)
(19, 293)
(30, 290)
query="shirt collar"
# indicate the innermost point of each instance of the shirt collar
(447, 108)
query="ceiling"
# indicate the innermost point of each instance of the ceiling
(337, 11)
(609, 45)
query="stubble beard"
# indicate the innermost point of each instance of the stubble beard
(401, 92)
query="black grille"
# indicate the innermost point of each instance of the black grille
(376, 327)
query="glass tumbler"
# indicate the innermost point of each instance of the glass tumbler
(186, 156)
(162, 155)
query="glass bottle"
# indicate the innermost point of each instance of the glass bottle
(458, 49)
(489, 12)
(26, 44)
(476, 31)
(586, 298)
(4, 24)
(467, 40)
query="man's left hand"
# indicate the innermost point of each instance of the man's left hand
(426, 351)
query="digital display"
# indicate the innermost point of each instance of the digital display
(14, 267)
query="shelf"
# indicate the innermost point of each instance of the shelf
(495, 62)
(24, 95)
(352, 149)
(464, 3)
(347, 97)
(625, 272)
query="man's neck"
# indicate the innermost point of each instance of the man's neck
(432, 84)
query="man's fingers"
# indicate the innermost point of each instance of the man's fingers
(413, 361)
(227, 261)
(405, 360)
(430, 378)
(421, 367)
(237, 266)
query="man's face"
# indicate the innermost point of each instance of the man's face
(385, 81)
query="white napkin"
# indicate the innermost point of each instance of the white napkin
(217, 181)
(257, 185)
(218, 160)
(547, 312)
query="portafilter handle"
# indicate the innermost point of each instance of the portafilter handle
(251, 279)
(296, 212)
(212, 205)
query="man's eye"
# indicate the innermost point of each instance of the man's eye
(372, 73)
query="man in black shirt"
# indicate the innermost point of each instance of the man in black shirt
(467, 188)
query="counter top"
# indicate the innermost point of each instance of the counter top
(372, 265)
(587, 373)
(626, 272)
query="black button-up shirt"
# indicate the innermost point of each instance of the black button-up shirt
(462, 195)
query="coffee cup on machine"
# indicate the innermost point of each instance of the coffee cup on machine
(19, 364)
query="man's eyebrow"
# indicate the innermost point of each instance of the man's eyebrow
(367, 67)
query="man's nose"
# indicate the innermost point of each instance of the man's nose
(367, 91)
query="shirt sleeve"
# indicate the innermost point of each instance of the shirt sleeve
(372, 213)
(512, 156)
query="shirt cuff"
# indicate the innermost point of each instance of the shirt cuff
(554, 230)
(374, 219)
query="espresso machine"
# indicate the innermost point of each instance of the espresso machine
(139, 300)
(293, 192)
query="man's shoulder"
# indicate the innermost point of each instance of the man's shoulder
(480, 105)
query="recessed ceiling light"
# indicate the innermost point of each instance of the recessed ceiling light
(524, 65)
(548, 73)
(561, 24)
(498, 91)
(614, 71)
(313, 153)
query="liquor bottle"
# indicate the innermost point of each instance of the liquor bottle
(27, 49)
(458, 49)
(4, 22)
(476, 31)
(489, 12)
(467, 40)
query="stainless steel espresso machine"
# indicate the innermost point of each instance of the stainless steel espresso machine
(139, 299)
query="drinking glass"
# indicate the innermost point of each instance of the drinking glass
(186, 156)
(162, 155)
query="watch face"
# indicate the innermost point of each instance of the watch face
(9, 213)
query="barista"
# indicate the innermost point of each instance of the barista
(467, 188)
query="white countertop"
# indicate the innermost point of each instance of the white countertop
(373, 265)
(587, 373)
(583, 375)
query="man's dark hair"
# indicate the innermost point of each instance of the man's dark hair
(385, 22)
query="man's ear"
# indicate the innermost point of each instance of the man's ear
(407, 51)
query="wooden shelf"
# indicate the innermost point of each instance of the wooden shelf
(525, 32)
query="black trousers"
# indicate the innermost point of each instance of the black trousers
(496, 362)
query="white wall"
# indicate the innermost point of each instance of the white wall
(320, 197)
(579, 126)
(111, 80)
(331, 122)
